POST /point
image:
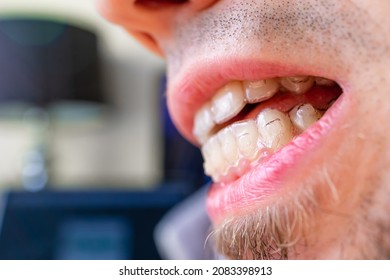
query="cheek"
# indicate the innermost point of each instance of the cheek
(362, 157)
(377, 10)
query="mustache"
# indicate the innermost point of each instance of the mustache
(333, 28)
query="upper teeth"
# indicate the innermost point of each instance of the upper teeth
(229, 152)
(298, 84)
(204, 123)
(257, 91)
(230, 99)
(228, 102)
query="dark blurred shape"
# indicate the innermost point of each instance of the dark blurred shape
(83, 225)
(43, 61)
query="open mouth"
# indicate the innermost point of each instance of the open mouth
(247, 121)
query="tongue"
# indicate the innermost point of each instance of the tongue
(320, 97)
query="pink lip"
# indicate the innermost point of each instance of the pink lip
(260, 184)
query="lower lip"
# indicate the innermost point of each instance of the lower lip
(259, 186)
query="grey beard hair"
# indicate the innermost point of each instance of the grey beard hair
(272, 232)
(268, 233)
(374, 224)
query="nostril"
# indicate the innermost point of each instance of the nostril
(159, 3)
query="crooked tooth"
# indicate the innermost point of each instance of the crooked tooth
(303, 116)
(324, 82)
(297, 84)
(257, 91)
(247, 136)
(275, 128)
(228, 102)
(203, 124)
(214, 163)
(228, 145)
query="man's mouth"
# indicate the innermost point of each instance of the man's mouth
(246, 122)
(254, 132)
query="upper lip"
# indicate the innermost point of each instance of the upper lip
(198, 82)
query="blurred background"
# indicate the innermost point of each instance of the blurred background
(89, 159)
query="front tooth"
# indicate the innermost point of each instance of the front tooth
(297, 84)
(324, 82)
(247, 136)
(214, 162)
(228, 145)
(257, 91)
(203, 123)
(228, 102)
(275, 128)
(303, 116)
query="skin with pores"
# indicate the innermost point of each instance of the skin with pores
(330, 197)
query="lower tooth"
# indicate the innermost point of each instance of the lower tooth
(275, 128)
(230, 153)
(303, 116)
(247, 137)
(228, 145)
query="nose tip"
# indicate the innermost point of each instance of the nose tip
(149, 21)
